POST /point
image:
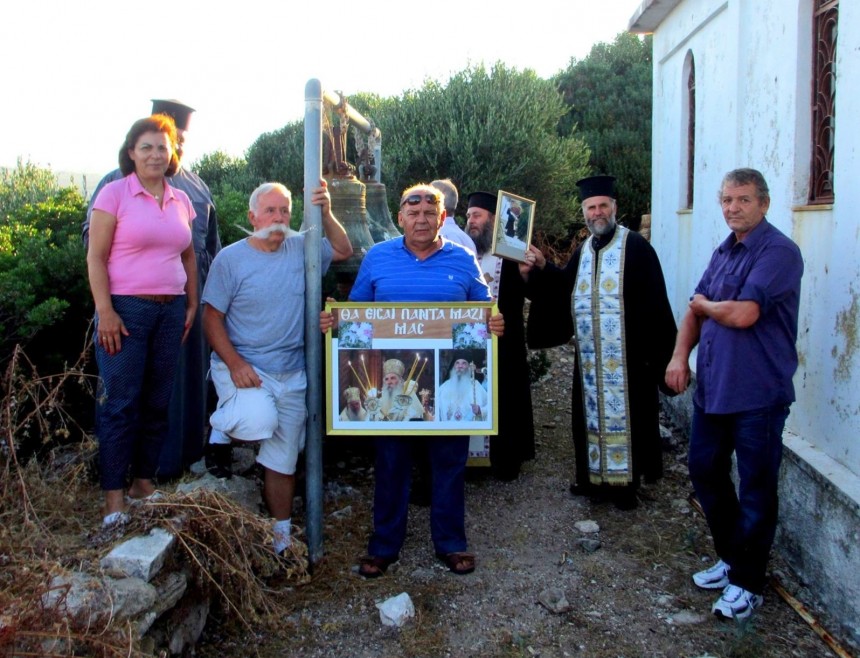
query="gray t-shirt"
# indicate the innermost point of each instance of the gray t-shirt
(262, 295)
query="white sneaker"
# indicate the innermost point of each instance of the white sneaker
(115, 519)
(717, 577)
(736, 603)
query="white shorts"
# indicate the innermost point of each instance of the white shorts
(274, 414)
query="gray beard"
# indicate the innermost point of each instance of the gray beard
(458, 377)
(462, 385)
(387, 397)
(484, 239)
(603, 230)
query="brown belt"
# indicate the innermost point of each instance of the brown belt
(158, 299)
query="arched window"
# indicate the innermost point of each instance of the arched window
(688, 123)
(823, 100)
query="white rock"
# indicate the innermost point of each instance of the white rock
(554, 600)
(169, 589)
(686, 617)
(396, 610)
(145, 622)
(198, 467)
(244, 459)
(88, 599)
(666, 600)
(78, 595)
(588, 527)
(131, 596)
(241, 490)
(344, 513)
(140, 557)
(188, 630)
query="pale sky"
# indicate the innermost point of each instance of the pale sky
(76, 75)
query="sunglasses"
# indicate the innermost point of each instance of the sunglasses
(415, 199)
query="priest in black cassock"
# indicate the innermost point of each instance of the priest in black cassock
(515, 442)
(612, 297)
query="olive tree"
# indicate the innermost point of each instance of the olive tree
(609, 95)
(609, 98)
(486, 130)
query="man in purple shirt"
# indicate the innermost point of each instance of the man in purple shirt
(743, 316)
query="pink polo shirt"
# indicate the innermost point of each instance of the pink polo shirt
(145, 255)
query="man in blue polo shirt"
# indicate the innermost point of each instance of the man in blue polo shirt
(743, 316)
(420, 266)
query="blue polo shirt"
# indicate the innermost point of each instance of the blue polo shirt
(744, 369)
(392, 273)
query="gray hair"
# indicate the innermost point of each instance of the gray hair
(746, 176)
(265, 188)
(449, 191)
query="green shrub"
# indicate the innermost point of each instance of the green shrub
(44, 293)
(222, 172)
(609, 98)
(25, 184)
(280, 156)
(486, 130)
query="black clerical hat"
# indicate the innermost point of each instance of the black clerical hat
(483, 200)
(180, 112)
(596, 186)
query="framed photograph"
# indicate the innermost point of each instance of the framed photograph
(411, 368)
(512, 235)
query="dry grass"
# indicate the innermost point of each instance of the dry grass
(229, 551)
(48, 504)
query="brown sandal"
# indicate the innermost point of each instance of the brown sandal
(460, 563)
(371, 566)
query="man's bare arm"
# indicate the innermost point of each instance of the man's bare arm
(241, 372)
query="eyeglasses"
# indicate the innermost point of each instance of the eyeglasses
(415, 199)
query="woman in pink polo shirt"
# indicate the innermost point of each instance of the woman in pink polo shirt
(143, 276)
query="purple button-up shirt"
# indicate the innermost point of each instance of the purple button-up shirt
(743, 369)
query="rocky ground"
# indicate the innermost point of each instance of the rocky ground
(629, 592)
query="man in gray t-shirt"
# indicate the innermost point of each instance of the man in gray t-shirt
(253, 317)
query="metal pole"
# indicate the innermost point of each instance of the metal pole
(312, 220)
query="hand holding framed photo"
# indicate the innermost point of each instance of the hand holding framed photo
(512, 234)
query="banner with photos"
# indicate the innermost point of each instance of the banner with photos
(411, 368)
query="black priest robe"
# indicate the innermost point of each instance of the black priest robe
(650, 331)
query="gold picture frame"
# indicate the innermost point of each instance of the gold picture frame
(421, 343)
(512, 233)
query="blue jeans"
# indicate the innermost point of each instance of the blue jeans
(393, 475)
(134, 388)
(743, 524)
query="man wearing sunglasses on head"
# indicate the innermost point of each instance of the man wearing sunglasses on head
(420, 266)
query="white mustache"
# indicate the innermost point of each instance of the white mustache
(264, 233)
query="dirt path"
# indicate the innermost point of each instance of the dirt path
(630, 597)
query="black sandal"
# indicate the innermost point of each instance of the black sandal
(371, 566)
(460, 563)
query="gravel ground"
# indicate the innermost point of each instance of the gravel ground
(631, 596)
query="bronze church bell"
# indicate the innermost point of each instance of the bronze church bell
(381, 226)
(348, 204)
